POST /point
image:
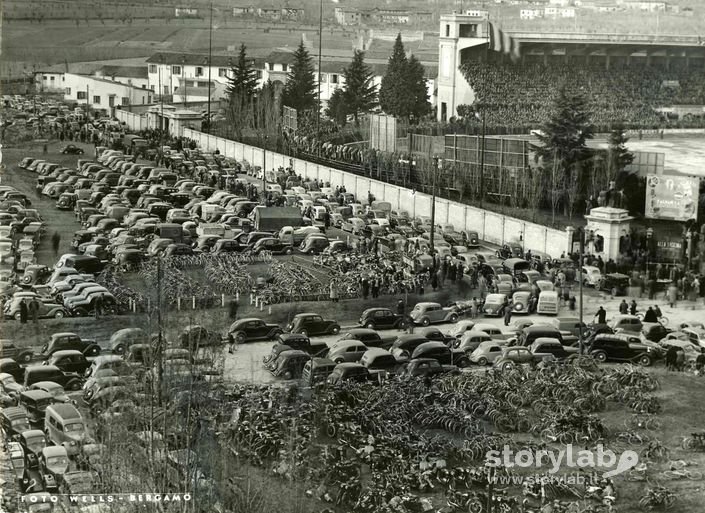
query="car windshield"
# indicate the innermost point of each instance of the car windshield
(75, 427)
(58, 461)
(20, 425)
(8, 380)
(36, 444)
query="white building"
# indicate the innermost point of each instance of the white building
(559, 12)
(185, 76)
(102, 93)
(530, 14)
(185, 12)
(644, 5)
(52, 78)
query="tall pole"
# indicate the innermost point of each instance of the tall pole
(320, 51)
(183, 77)
(264, 167)
(87, 105)
(581, 232)
(434, 170)
(210, 58)
(482, 162)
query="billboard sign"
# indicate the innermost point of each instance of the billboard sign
(672, 197)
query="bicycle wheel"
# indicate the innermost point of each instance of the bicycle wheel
(475, 505)
(663, 320)
(640, 316)
(694, 475)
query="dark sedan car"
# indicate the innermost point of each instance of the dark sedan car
(252, 329)
(272, 244)
(313, 324)
(380, 318)
(71, 149)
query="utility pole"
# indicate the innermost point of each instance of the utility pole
(183, 77)
(434, 170)
(581, 232)
(160, 363)
(87, 105)
(210, 58)
(482, 162)
(264, 167)
(320, 51)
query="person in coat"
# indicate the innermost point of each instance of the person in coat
(333, 292)
(601, 316)
(23, 311)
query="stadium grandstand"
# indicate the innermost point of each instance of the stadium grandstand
(641, 81)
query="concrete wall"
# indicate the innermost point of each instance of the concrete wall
(492, 227)
(135, 122)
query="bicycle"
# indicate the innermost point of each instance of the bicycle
(659, 497)
(696, 442)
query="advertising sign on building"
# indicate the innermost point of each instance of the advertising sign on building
(672, 197)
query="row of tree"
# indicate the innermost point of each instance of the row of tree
(402, 92)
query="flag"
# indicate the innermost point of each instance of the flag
(503, 42)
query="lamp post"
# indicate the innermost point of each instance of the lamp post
(210, 58)
(264, 167)
(649, 235)
(482, 156)
(434, 170)
(183, 77)
(581, 231)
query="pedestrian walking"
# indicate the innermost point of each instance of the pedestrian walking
(650, 316)
(98, 306)
(508, 314)
(571, 303)
(474, 307)
(23, 311)
(671, 358)
(672, 295)
(632, 307)
(333, 292)
(55, 242)
(700, 362)
(680, 359)
(601, 316)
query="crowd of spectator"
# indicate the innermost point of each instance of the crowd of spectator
(524, 94)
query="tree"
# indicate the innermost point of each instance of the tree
(243, 82)
(619, 156)
(360, 90)
(338, 107)
(300, 89)
(564, 138)
(393, 88)
(415, 100)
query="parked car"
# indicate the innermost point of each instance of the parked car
(348, 372)
(289, 364)
(428, 313)
(8, 349)
(68, 360)
(487, 352)
(71, 149)
(124, 338)
(516, 355)
(615, 283)
(494, 305)
(346, 351)
(252, 329)
(55, 390)
(312, 324)
(195, 336)
(629, 323)
(13, 368)
(380, 318)
(14, 420)
(67, 340)
(427, 367)
(606, 347)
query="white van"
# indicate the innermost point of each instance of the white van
(548, 303)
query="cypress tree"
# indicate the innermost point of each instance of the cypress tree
(360, 91)
(393, 88)
(300, 90)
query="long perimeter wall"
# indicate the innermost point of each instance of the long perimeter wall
(492, 227)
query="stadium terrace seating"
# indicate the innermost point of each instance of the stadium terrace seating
(523, 94)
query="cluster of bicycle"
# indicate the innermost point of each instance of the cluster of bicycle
(374, 449)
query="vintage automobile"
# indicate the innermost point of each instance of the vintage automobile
(32, 442)
(194, 336)
(9, 385)
(67, 340)
(316, 371)
(47, 309)
(53, 464)
(300, 342)
(56, 391)
(487, 352)
(9, 350)
(289, 364)
(252, 329)
(16, 457)
(367, 336)
(379, 360)
(427, 367)
(346, 351)
(68, 360)
(124, 338)
(518, 355)
(494, 305)
(14, 420)
(78, 482)
(380, 318)
(348, 372)
(441, 352)
(312, 324)
(428, 313)
(615, 283)
(404, 345)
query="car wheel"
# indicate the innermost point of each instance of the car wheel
(370, 325)
(335, 330)
(304, 333)
(644, 360)
(287, 375)
(119, 349)
(94, 351)
(58, 314)
(508, 366)
(74, 386)
(600, 356)
(339, 360)
(453, 318)
(80, 312)
(425, 321)
(25, 358)
(482, 361)
(18, 316)
(463, 362)
(288, 251)
(240, 337)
